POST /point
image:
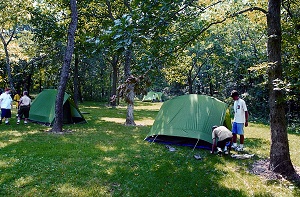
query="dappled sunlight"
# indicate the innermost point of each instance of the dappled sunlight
(68, 189)
(12, 133)
(149, 106)
(155, 106)
(115, 120)
(23, 181)
(143, 122)
(105, 148)
(13, 137)
(8, 162)
(90, 107)
(9, 142)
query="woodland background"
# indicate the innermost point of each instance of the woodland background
(177, 47)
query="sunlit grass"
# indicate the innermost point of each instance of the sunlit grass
(107, 158)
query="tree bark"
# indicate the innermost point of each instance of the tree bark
(114, 63)
(280, 161)
(7, 59)
(130, 89)
(58, 123)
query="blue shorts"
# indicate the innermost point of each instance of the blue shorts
(5, 113)
(238, 128)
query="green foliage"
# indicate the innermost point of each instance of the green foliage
(173, 47)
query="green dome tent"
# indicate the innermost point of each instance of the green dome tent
(187, 120)
(152, 97)
(42, 109)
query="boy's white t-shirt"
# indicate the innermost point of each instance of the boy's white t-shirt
(5, 100)
(240, 108)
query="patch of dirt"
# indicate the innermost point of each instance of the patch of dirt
(261, 168)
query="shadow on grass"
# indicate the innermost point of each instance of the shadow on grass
(100, 165)
(109, 159)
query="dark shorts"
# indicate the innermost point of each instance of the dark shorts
(24, 110)
(222, 144)
(5, 113)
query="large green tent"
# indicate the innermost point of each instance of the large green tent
(187, 120)
(42, 109)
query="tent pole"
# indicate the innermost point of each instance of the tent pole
(195, 144)
(154, 139)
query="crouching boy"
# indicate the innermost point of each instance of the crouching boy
(223, 136)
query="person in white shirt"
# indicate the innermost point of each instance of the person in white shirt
(223, 136)
(24, 105)
(6, 104)
(240, 120)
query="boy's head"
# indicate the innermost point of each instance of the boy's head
(214, 127)
(234, 95)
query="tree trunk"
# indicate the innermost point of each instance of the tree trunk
(57, 127)
(130, 90)
(280, 161)
(7, 59)
(114, 63)
(75, 80)
(190, 83)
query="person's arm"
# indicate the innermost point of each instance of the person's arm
(213, 146)
(246, 118)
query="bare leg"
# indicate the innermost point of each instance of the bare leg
(234, 137)
(241, 139)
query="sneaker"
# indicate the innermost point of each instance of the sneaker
(219, 152)
(234, 147)
(18, 122)
(7, 123)
(25, 122)
(226, 152)
(239, 149)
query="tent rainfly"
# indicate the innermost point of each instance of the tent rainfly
(42, 109)
(187, 120)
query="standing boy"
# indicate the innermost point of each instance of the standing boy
(6, 104)
(24, 107)
(240, 120)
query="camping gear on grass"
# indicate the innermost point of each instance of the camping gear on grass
(187, 120)
(42, 109)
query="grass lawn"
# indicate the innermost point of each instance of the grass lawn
(106, 158)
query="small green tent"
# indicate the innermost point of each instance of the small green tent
(42, 109)
(187, 120)
(152, 97)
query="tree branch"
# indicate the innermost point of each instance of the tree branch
(287, 6)
(126, 3)
(11, 36)
(109, 10)
(221, 21)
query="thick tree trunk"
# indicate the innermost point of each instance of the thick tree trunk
(279, 154)
(57, 127)
(130, 90)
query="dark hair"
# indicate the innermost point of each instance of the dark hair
(25, 93)
(234, 93)
(214, 127)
